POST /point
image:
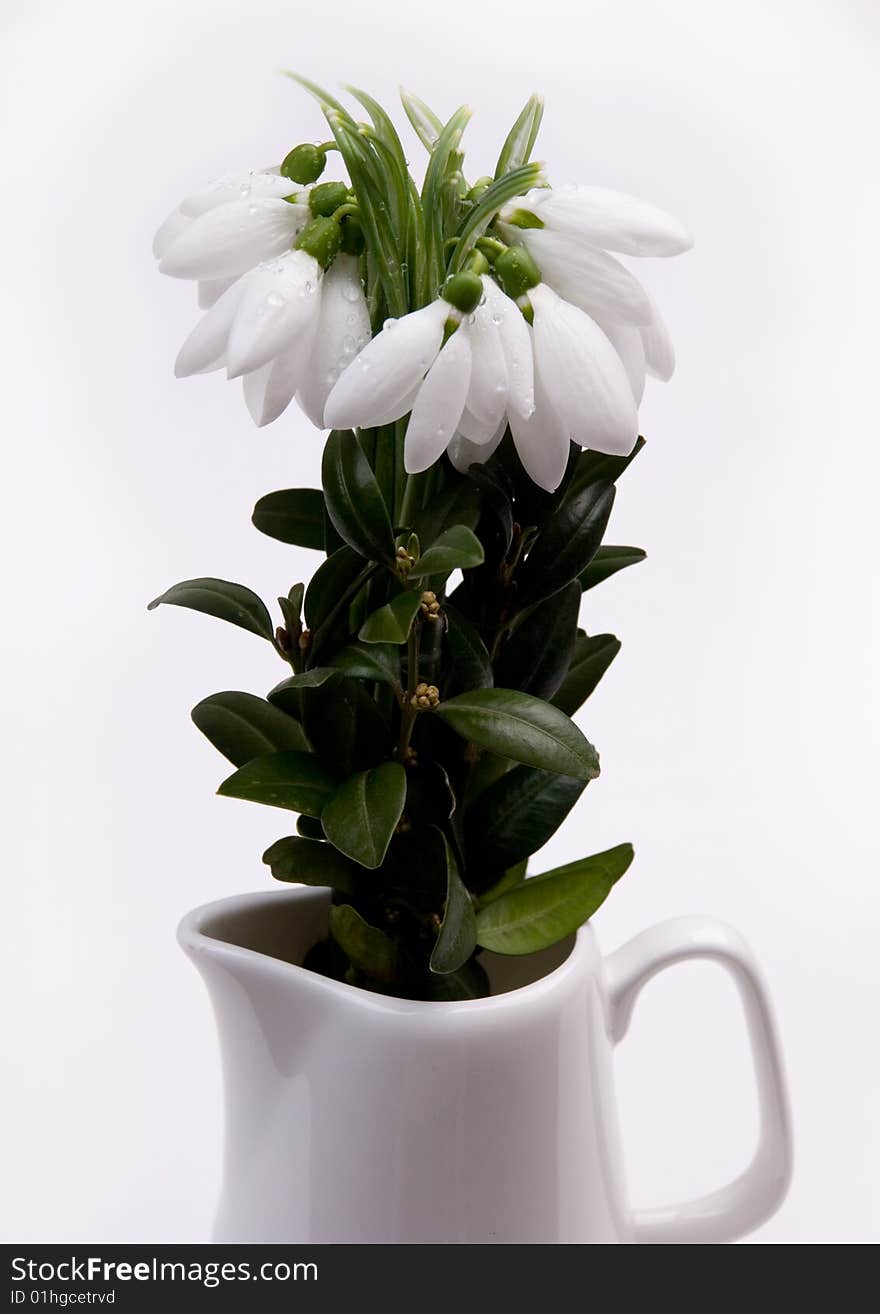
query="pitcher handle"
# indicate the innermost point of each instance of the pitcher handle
(751, 1198)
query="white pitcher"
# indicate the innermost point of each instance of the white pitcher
(352, 1117)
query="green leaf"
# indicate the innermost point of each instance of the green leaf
(607, 562)
(217, 597)
(593, 466)
(516, 815)
(457, 548)
(523, 728)
(292, 515)
(537, 655)
(370, 950)
(513, 876)
(568, 543)
(590, 661)
(392, 623)
(305, 862)
(544, 909)
(361, 817)
(457, 937)
(286, 694)
(374, 661)
(310, 828)
(457, 504)
(345, 724)
(283, 780)
(522, 136)
(479, 218)
(469, 665)
(426, 125)
(354, 500)
(330, 583)
(243, 727)
(469, 982)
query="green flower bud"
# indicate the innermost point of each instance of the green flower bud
(327, 197)
(523, 219)
(352, 236)
(464, 291)
(517, 271)
(321, 239)
(304, 164)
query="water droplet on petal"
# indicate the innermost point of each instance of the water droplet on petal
(349, 345)
(389, 325)
(274, 299)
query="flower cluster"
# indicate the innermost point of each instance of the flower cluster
(479, 352)
(540, 329)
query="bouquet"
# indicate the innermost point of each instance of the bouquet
(478, 356)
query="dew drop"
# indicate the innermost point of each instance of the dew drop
(349, 346)
(274, 299)
(253, 209)
(389, 325)
(496, 319)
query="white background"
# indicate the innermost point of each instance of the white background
(738, 728)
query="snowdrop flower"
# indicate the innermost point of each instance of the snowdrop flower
(600, 217)
(285, 326)
(464, 362)
(230, 225)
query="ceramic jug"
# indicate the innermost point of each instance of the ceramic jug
(353, 1117)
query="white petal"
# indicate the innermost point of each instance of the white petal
(589, 278)
(280, 299)
(400, 409)
(659, 351)
(478, 432)
(224, 242)
(541, 440)
(269, 390)
(211, 290)
(611, 219)
(381, 379)
(439, 404)
(583, 375)
(205, 348)
(237, 187)
(516, 344)
(487, 394)
(628, 344)
(463, 453)
(343, 330)
(168, 231)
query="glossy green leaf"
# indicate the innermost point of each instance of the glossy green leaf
(590, 661)
(283, 780)
(568, 542)
(374, 661)
(457, 548)
(220, 598)
(354, 501)
(469, 665)
(330, 583)
(544, 909)
(370, 950)
(361, 817)
(607, 562)
(537, 655)
(392, 623)
(513, 876)
(593, 466)
(516, 815)
(310, 828)
(523, 728)
(243, 727)
(457, 937)
(426, 125)
(292, 515)
(457, 504)
(518, 146)
(347, 727)
(469, 982)
(305, 862)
